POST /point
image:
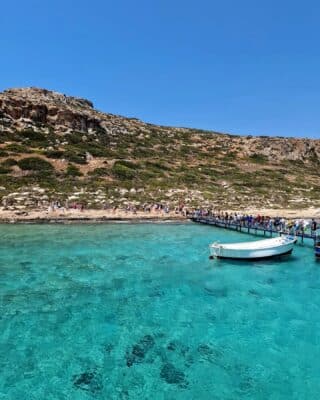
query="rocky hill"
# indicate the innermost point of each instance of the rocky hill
(56, 147)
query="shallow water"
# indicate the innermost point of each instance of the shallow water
(139, 312)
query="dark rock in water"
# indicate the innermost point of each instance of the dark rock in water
(188, 361)
(118, 283)
(172, 346)
(271, 281)
(208, 353)
(88, 381)
(184, 350)
(147, 280)
(139, 350)
(216, 292)
(108, 347)
(176, 346)
(130, 360)
(147, 342)
(211, 317)
(253, 292)
(25, 263)
(246, 384)
(122, 258)
(160, 335)
(173, 376)
(156, 293)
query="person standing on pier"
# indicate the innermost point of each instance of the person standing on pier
(313, 226)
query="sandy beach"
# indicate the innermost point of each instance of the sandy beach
(91, 215)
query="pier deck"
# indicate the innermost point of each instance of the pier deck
(253, 229)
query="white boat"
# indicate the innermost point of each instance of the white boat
(257, 250)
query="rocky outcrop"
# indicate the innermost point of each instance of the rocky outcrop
(94, 151)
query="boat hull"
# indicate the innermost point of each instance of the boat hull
(253, 251)
(254, 258)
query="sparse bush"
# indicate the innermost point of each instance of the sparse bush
(73, 170)
(9, 162)
(258, 158)
(122, 171)
(99, 172)
(76, 157)
(3, 153)
(54, 153)
(4, 170)
(17, 148)
(74, 138)
(35, 164)
(33, 135)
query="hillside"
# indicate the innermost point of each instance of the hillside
(55, 147)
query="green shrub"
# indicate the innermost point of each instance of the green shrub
(17, 148)
(33, 135)
(54, 153)
(4, 170)
(97, 151)
(122, 171)
(74, 138)
(6, 136)
(35, 164)
(73, 170)
(258, 158)
(99, 172)
(128, 164)
(76, 157)
(3, 153)
(9, 162)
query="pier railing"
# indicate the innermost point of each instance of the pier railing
(255, 227)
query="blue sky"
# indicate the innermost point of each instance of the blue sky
(247, 67)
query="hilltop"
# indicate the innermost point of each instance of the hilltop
(58, 147)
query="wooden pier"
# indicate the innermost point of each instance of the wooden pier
(253, 229)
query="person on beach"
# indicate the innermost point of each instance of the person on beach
(313, 226)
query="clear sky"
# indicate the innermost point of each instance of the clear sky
(247, 67)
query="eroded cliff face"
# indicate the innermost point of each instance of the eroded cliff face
(130, 160)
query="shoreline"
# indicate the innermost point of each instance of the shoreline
(87, 217)
(120, 216)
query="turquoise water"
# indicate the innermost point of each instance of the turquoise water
(139, 312)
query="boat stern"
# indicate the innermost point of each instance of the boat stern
(215, 249)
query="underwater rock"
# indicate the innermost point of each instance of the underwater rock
(25, 263)
(122, 258)
(172, 346)
(188, 360)
(173, 376)
(271, 281)
(139, 350)
(211, 317)
(118, 283)
(216, 292)
(254, 293)
(176, 346)
(208, 353)
(88, 381)
(108, 348)
(156, 293)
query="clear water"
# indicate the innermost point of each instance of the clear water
(139, 312)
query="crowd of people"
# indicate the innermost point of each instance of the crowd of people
(261, 221)
(243, 220)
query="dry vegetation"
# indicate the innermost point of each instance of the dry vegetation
(58, 147)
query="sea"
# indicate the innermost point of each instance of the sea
(138, 311)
